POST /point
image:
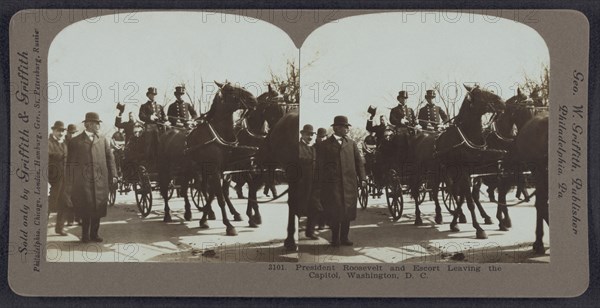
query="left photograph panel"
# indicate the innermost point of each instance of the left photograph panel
(158, 137)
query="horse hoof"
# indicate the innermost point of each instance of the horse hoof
(258, 219)
(462, 219)
(252, 224)
(488, 221)
(481, 235)
(290, 245)
(237, 217)
(231, 231)
(438, 219)
(503, 227)
(508, 223)
(211, 216)
(454, 228)
(539, 248)
(167, 219)
(187, 215)
(419, 222)
(203, 224)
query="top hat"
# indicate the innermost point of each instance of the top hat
(308, 129)
(59, 125)
(179, 90)
(430, 93)
(71, 128)
(152, 90)
(340, 120)
(372, 110)
(92, 117)
(402, 94)
(321, 132)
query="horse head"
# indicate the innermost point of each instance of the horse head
(479, 101)
(234, 97)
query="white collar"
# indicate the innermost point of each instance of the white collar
(90, 134)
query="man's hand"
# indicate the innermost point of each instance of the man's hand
(114, 180)
(403, 121)
(168, 124)
(153, 117)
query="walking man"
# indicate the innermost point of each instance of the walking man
(90, 172)
(340, 169)
(57, 152)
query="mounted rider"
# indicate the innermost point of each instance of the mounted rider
(181, 113)
(431, 116)
(153, 115)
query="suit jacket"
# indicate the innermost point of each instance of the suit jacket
(127, 127)
(57, 160)
(182, 111)
(305, 198)
(90, 169)
(377, 129)
(431, 113)
(402, 112)
(152, 108)
(339, 168)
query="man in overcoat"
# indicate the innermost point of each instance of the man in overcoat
(306, 202)
(90, 172)
(340, 169)
(57, 152)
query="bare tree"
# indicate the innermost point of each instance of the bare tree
(289, 85)
(538, 86)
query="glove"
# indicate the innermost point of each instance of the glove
(153, 117)
(403, 121)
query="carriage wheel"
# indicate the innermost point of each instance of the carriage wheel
(143, 194)
(197, 196)
(422, 193)
(112, 194)
(395, 202)
(449, 199)
(363, 196)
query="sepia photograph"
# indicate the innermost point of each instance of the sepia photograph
(445, 134)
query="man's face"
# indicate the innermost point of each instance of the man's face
(307, 137)
(151, 96)
(387, 135)
(58, 133)
(429, 100)
(92, 126)
(401, 100)
(341, 130)
(178, 96)
(137, 131)
(131, 117)
(382, 120)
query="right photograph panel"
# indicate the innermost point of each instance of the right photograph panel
(430, 138)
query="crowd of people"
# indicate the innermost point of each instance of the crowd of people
(82, 165)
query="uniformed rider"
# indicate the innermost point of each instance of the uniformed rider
(402, 115)
(180, 113)
(431, 116)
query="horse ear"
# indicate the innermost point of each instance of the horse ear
(270, 88)
(468, 88)
(219, 84)
(519, 93)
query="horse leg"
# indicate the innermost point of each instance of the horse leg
(475, 195)
(541, 206)
(216, 186)
(504, 221)
(490, 191)
(290, 241)
(458, 212)
(236, 215)
(163, 184)
(465, 191)
(461, 215)
(433, 194)
(253, 188)
(207, 213)
(188, 209)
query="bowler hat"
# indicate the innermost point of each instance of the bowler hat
(179, 90)
(58, 125)
(321, 132)
(430, 93)
(340, 120)
(71, 128)
(152, 90)
(92, 117)
(308, 129)
(402, 94)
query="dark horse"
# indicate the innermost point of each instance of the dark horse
(459, 149)
(530, 152)
(205, 151)
(280, 150)
(250, 135)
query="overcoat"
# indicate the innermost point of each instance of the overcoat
(305, 189)
(57, 157)
(339, 168)
(90, 168)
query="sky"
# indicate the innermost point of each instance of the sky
(95, 63)
(365, 60)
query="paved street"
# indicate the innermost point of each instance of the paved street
(130, 238)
